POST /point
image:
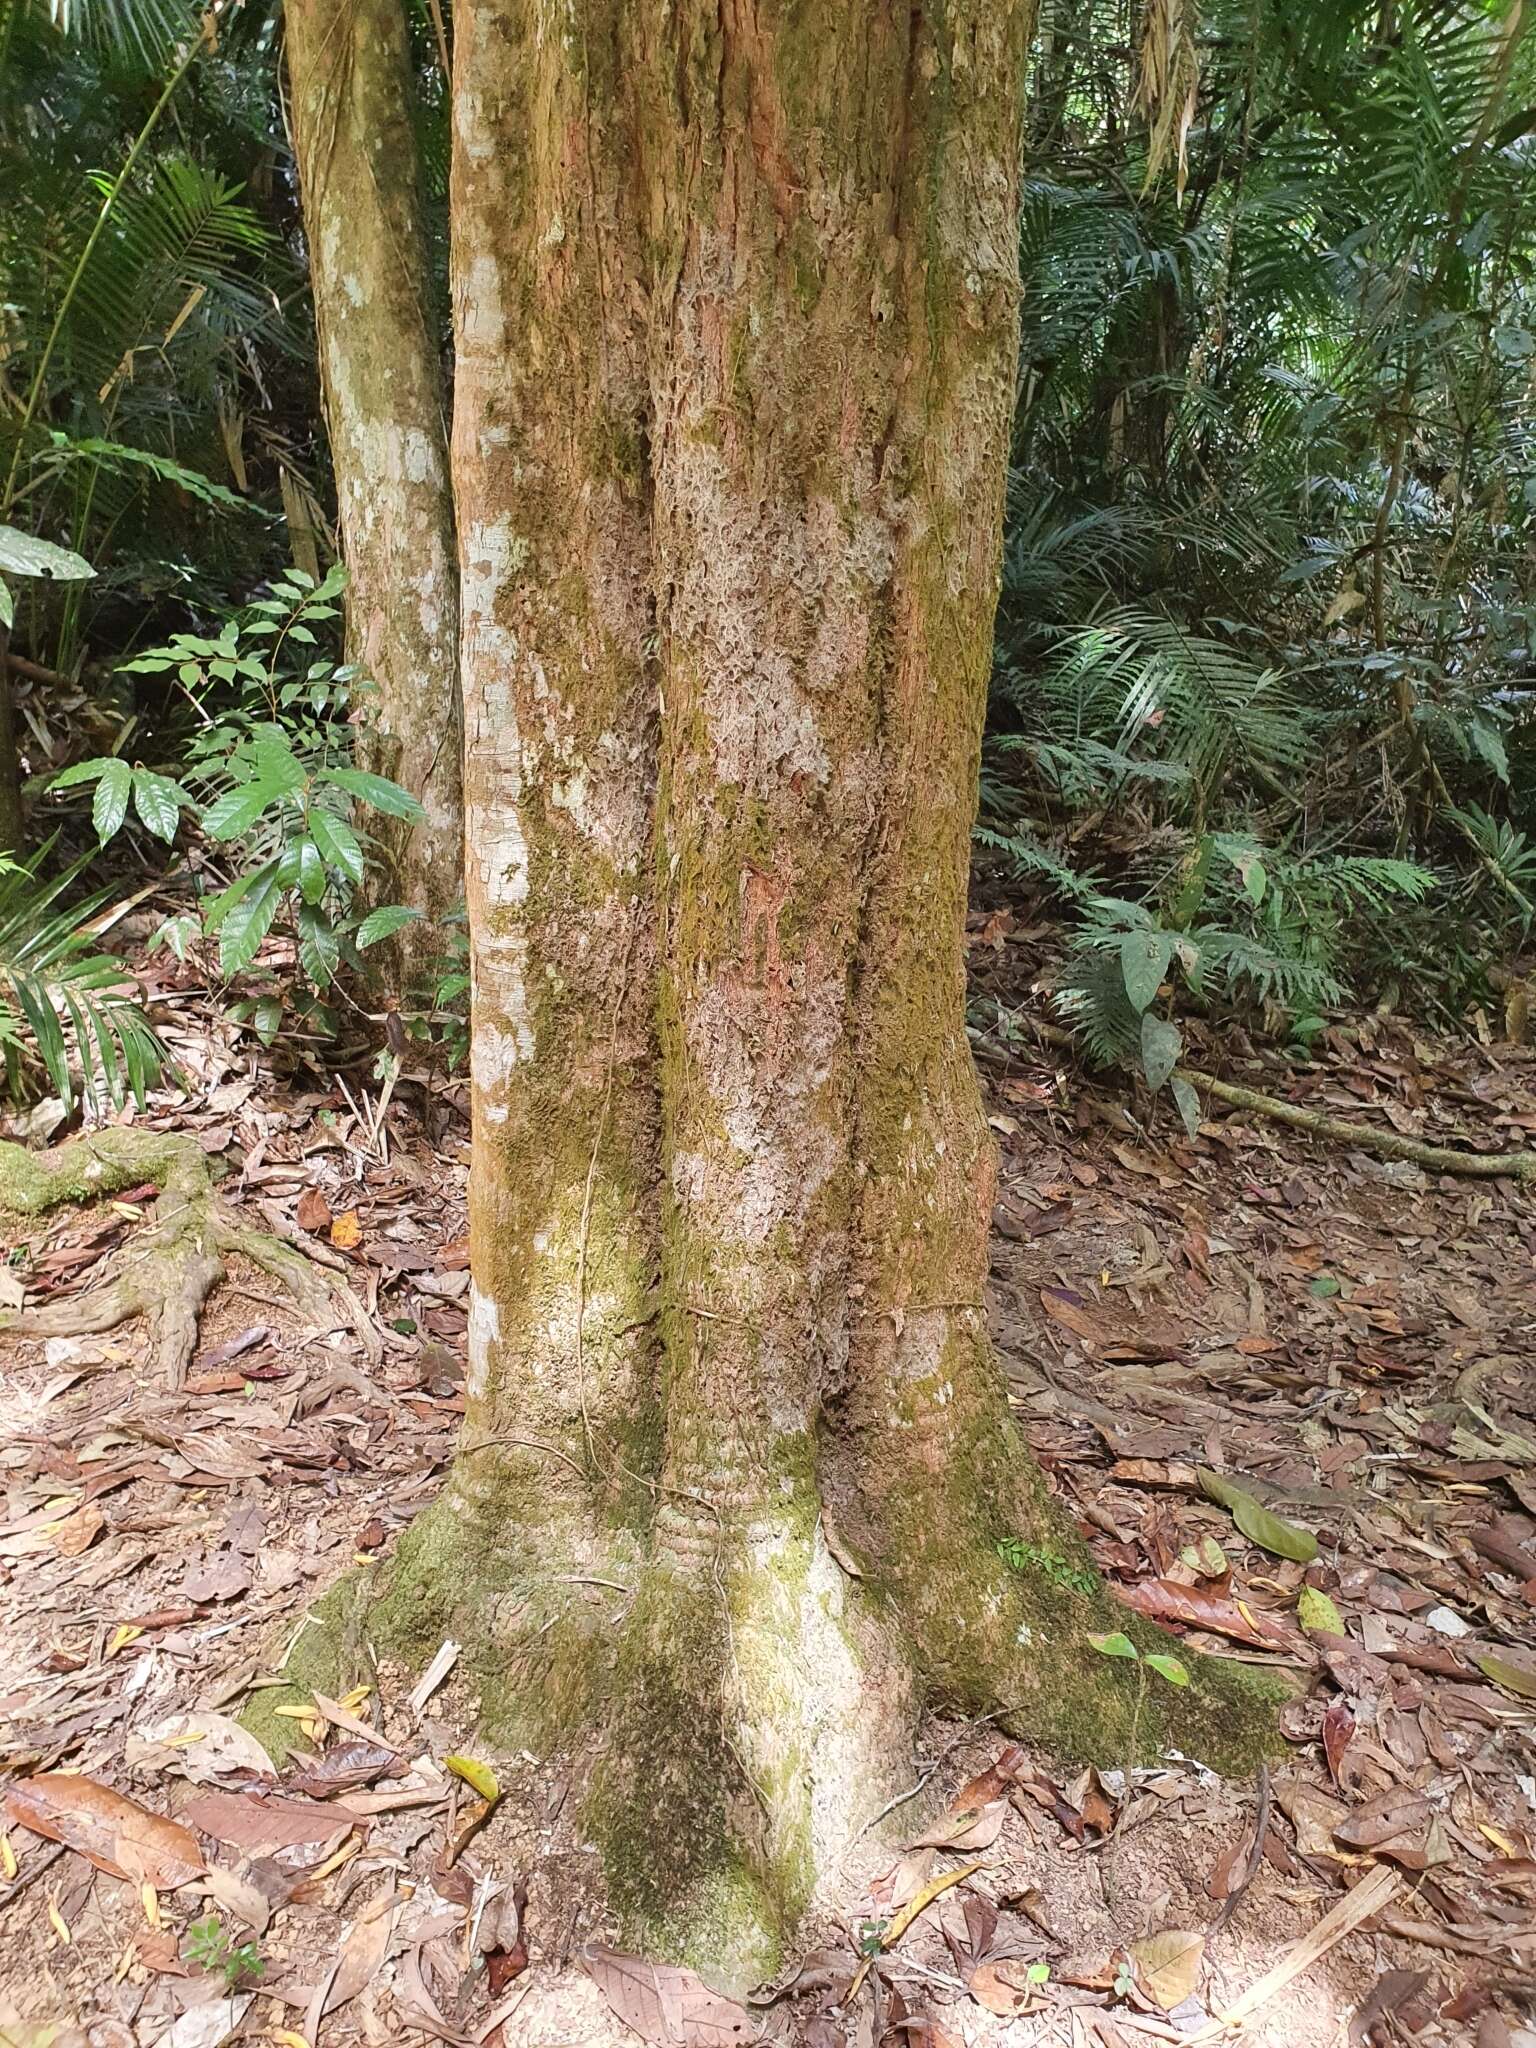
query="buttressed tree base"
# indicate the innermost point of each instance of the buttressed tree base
(736, 315)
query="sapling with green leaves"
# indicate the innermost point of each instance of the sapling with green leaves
(268, 782)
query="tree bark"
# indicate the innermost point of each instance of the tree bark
(349, 69)
(735, 297)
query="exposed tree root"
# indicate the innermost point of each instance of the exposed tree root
(1367, 1137)
(1385, 1144)
(168, 1275)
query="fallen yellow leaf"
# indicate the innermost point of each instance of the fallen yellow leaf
(478, 1776)
(347, 1231)
(57, 1922)
(344, 1854)
(7, 1856)
(125, 1635)
(149, 1898)
(919, 1903)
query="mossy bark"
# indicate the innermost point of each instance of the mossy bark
(381, 337)
(736, 317)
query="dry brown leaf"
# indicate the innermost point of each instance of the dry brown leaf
(247, 1901)
(1165, 1600)
(666, 2005)
(1002, 1988)
(974, 1818)
(77, 1532)
(124, 1839)
(364, 1951)
(1168, 1965)
(313, 1211)
(261, 1827)
(341, 1769)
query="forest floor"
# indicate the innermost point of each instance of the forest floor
(1348, 1336)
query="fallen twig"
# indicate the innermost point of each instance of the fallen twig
(1368, 1897)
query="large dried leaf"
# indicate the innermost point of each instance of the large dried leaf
(342, 1769)
(668, 2006)
(261, 1827)
(364, 1951)
(1165, 1600)
(124, 1839)
(974, 1818)
(1168, 1965)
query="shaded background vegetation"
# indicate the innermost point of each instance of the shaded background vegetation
(1260, 734)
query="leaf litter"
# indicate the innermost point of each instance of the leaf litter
(1315, 1476)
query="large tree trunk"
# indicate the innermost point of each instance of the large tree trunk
(736, 309)
(349, 68)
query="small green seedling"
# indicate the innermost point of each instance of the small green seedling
(1118, 1645)
(208, 1945)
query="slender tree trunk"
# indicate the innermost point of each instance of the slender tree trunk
(349, 67)
(736, 320)
(12, 832)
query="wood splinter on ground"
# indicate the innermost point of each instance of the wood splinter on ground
(169, 1276)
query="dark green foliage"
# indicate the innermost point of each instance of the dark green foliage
(1267, 635)
(66, 1005)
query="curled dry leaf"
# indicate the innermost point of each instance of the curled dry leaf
(974, 1818)
(120, 1837)
(1005, 1988)
(365, 1949)
(666, 2005)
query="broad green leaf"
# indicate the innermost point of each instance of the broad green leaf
(319, 949)
(1187, 1102)
(158, 801)
(1161, 1044)
(1144, 958)
(276, 763)
(1317, 1613)
(1516, 1678)
(109, 806)
(1114, 1645)
(338, 842)
(267, 1018)
(1168, 1667)
(247, 924)
(311, 872)
(1325, 1286)
(383, 923)
(23, 554)
(7, 605)
(1255, 879)
(377, 790)
(1271, 1532)
(83, 771)
(237, 810)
